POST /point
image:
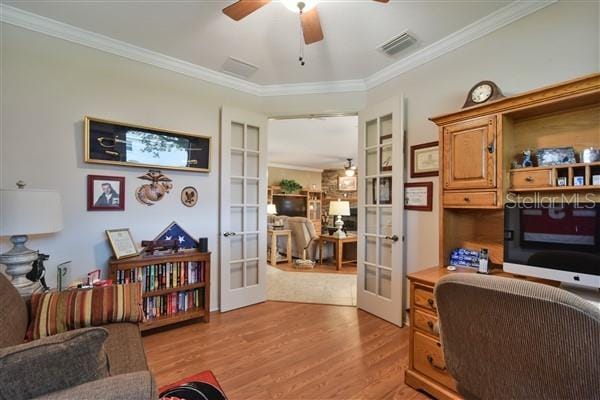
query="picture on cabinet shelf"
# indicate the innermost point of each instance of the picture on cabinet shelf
(105, 193)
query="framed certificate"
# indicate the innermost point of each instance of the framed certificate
(418, 196)
(424, 160)
(122, 243)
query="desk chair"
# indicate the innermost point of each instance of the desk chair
(512, 339)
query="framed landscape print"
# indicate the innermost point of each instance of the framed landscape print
(347, 183)
(105, 193)
(424, 160)
(418, 196)
(118, 143)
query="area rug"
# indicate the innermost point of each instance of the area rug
(311, 287)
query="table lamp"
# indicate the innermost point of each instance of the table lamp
(26, 212)
(339, 208)
(271, 209)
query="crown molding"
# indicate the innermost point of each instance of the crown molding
(496, 20)
(296, 167)
(488, 24)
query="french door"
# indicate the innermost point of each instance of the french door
(243, 208)
(381, 269)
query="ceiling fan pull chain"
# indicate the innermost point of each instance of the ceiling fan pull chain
(301, 58)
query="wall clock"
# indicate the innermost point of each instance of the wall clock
(482, 92)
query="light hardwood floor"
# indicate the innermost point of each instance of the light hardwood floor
(278, 350)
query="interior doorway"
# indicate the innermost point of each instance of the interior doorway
(312, 179)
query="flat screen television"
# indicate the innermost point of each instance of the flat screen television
(292, 206)
(560, 242)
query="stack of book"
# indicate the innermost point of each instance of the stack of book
(172, 303)
(163, 276)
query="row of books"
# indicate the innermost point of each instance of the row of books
(172, 303)
(163, 276)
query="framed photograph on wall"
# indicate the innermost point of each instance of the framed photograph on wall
(347, 183)
(122, 243)
(105, 193)
(424, 160)
(418, 196)
(385, 190)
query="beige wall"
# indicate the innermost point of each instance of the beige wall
(49, 84)
(559, 42)
(303, 177)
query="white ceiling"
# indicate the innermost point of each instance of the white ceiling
(319, 143)
(199, 33)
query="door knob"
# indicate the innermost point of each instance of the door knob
(393, 238)
(227, 234)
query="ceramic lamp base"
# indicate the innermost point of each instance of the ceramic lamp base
(18, 261)
(339, 224)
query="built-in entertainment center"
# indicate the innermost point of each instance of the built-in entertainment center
(536, 219)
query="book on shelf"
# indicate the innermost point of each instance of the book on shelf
(167, 275)
(172, 303)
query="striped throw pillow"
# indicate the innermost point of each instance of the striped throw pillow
(57, 312)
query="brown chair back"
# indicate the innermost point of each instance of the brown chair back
(14, 316)
(506, 338)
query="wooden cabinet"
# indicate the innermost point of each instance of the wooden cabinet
(469, 154)
(477, 147)
(427, 369)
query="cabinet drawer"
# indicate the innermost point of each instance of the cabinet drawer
(425, 322)
(429, 359)
(470, 199)
(531, 178)
(423, 297)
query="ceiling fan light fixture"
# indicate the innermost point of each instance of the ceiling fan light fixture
(296, 5)
(350, 169)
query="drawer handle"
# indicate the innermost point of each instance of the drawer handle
(467, 199)
(434, 365)
(430, 324)
(529, 179)
(431, 303)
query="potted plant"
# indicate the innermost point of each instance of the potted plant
(290, 186)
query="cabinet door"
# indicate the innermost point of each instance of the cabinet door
(470, 154)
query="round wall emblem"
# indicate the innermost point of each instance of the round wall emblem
(189, 196)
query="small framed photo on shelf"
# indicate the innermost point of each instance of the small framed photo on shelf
(105, 193)
(122, 243)
(418, 196)
(347, 183)
(385, 153)
(424, 160)
(578, 180)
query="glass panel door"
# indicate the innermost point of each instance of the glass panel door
(243, 209)
(380, 222)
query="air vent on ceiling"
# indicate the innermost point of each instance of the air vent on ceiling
(398, 43)
(239, 68)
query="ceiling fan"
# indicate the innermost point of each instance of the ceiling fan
(309, 17)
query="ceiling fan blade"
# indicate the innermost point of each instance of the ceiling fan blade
(311, 26)
(382, 1)
(243, 8)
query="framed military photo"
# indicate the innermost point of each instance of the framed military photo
(105, 193)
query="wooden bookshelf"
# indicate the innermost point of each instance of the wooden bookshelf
(167, 287)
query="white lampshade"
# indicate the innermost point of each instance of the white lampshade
(29, 212)
(271, 209)
(339, 208)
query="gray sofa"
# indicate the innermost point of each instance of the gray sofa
(105, 362)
